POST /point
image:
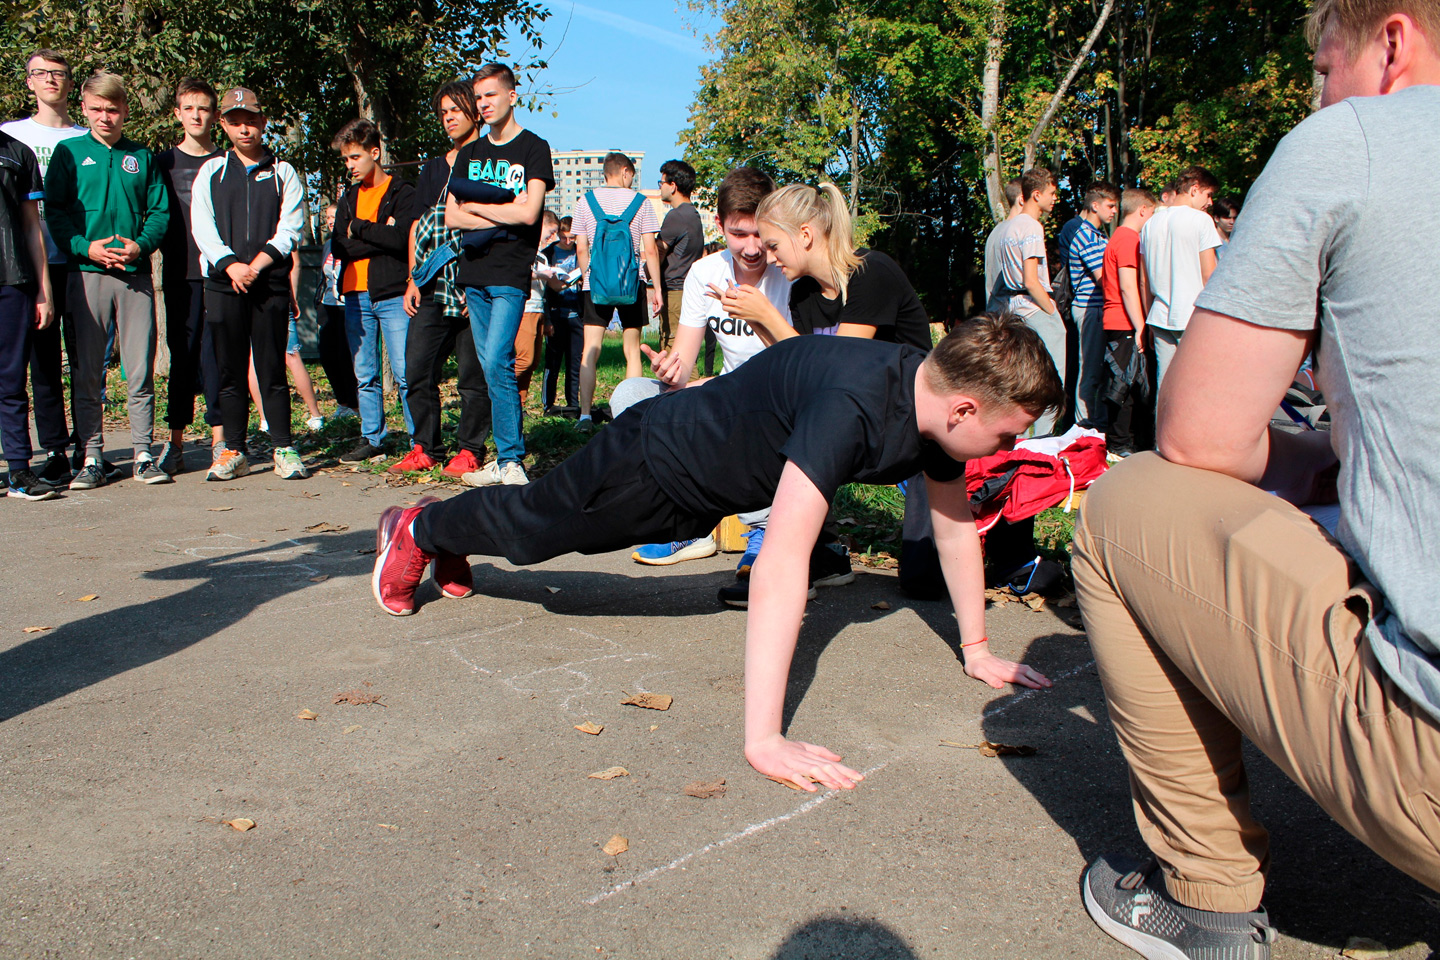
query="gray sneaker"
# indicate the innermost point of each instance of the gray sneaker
(89, 477)
(172, 458)
(228, 464)
(147, 471)
(289, 466)
(1127, 898)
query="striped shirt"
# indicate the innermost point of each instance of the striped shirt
(1085, 258)
(613, 200)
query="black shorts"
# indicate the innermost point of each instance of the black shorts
(633, 316)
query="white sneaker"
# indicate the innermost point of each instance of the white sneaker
(345, 413)
(316, 424)
(513, 474)
(264, 427)
(486, 476)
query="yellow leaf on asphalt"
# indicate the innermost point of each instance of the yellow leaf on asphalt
(307, 715)
(37, 629)
(1363, 948)
(785, 783)
(650, 701)
(881, 605)
(219, 509)
(326, 527)
(588, 727)
(616, 846)
(352, 728)
(610, 773)
(387, 826)
(87, 598)
(320, 578)
(240, 823)
(553, 589)
(706, 789)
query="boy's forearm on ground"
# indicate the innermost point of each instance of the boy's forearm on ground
(779, 582)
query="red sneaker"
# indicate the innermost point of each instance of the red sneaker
(462, 463)
(452, 575)
(399, 563)
(413, 462)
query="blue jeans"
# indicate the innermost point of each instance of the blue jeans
(365, 324)
(495, 321)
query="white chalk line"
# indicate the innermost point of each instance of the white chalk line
(735, 837)
(1020, 698)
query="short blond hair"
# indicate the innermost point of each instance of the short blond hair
(1135, 199)
(106, 86)
(1355, 20)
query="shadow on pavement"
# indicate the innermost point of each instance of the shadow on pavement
(843, 938)
(232, 584)
(1324, 886)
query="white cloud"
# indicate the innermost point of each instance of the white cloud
(682, 42)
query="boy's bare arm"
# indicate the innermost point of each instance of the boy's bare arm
(1035, 288)
(778, 585)
(524, 210)
(963, 564)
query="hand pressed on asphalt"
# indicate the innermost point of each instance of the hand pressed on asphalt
(997, 671)
(803, 764)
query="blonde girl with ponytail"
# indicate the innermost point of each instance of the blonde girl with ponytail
(836, 289)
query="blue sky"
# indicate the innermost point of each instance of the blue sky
(624, 73)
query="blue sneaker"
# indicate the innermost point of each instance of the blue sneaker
(747, 560)
(664, 554)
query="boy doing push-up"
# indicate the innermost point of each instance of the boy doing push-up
(787, 429)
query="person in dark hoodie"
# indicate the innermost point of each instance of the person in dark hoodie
(107, 210)
(372, 243)
(246, 215)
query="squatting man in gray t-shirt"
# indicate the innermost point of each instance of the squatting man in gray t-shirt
(1217, 608)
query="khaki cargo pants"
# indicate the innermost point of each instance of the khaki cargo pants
(1217, 610)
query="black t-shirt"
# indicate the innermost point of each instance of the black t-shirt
(879, 295)
(430, 187)
(505, 262)
(684, 237)
(20, 181)
(178, 169)
(841, 408)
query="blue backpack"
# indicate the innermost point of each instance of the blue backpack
(614, 271)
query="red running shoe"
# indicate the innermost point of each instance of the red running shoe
(452, 575)
(413, 462)
(462, 463)
(399, 563)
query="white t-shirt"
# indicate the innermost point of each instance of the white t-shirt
(42, 140)
(1019, 239)
(738, 342)
(1171, 242)
(536, 301)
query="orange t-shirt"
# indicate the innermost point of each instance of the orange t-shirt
(367, 205)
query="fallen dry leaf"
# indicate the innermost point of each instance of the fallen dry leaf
(785, 783)
(425, 478)
(553, 589)
(212, 531)
(344, 483)
(654, 727)
(591, 728)
(1363, 948)
(616, 846)
(881, 605)
(988, 749)
(1065, 602)
(320, 578)
(609, 773)
(357, 698)
(352, 728)
(307, 715)
(650, 701)
(387, 826)
(240, 823)
(37, 629)
(847, 521)
(1037, 604)
(87, 598)
(706, 789)
(219, 509)
(326, 527)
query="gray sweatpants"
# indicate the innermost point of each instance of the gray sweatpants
(102, 304)
(1052, 332)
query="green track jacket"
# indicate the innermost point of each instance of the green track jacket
(94, 191)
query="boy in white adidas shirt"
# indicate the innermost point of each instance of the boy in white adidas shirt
(742, 262)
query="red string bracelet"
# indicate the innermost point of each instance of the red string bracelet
(973, 642)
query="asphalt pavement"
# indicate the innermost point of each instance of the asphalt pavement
(440, 802)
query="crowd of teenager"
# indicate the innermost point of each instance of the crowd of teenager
(1239, 581)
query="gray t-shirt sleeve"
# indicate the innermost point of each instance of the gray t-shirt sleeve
(1313, 185)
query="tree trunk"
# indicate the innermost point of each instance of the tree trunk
(369, 107)
(989, 107)
(1033, 140)
(854, 156)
